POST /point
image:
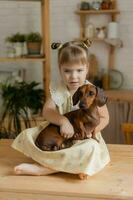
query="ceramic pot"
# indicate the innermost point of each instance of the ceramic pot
(33, 48)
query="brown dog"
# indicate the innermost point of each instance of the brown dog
(84, 120)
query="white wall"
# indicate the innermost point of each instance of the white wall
(19, 17)
(65, 26)
(24, 17)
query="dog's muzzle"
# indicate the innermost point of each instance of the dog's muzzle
(82, 105)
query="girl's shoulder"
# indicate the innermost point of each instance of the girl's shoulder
(59, 92)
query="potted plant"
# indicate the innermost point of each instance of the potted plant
(17, 41)
(17, 37)
(34, 40)
(18, 99)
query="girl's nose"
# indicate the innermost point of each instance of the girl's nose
(73, 74)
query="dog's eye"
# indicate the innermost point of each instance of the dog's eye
(90, 93)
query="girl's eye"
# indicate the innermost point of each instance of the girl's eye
(67, 71)
(90, 93)
(80, 70)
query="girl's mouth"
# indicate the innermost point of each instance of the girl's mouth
(74, 83)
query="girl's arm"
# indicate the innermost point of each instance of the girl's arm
(51, 114)
(104, 118)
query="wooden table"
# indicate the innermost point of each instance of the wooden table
(114, 182)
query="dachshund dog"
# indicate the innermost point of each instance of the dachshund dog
(84, 120)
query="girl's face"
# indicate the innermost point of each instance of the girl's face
(73, 76)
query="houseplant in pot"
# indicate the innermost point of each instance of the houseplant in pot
(34, 40)
(17, 41)
(18, 99)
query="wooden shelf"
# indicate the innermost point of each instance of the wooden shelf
(7, 59)
(84, 14)
(45, 29)
(87, 12)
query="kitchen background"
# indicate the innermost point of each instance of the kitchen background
(25, 16)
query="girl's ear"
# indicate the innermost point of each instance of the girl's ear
(76, 96)
(101, 98)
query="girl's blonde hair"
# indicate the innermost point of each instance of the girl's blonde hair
(72, 53)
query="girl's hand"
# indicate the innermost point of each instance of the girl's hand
(66, 129)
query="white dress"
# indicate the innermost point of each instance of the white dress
(85, 156)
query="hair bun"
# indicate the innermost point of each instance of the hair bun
(56, 45)
(88, 42)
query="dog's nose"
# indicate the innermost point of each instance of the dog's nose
(82, 105)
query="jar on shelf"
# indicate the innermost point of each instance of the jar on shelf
(10, 52)
(84, 5)
(96, 5)
(90, 30)
(101, 32)
(107, 4)
(112, 30)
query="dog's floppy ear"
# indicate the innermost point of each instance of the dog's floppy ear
(76, 96)
(101, 98)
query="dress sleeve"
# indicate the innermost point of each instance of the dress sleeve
(58, 94)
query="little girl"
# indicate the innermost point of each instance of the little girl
(85, 157)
